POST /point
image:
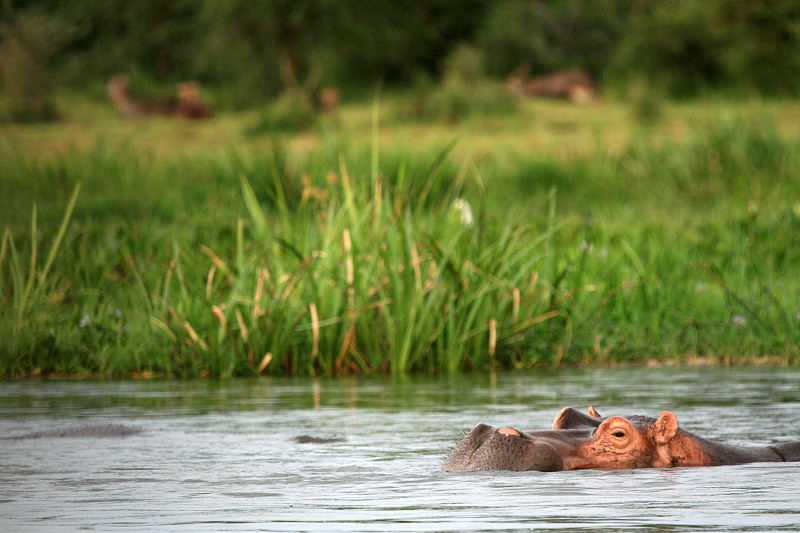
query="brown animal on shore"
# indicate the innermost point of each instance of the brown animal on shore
(186, 105)
(328, 99)
(572, 84)
(189, 103)
(129, 106)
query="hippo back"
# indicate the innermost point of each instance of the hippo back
(790, 451)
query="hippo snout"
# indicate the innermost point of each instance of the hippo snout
(487, 448)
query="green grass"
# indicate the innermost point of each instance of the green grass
(348, 253)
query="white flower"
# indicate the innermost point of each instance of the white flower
(700, 287)
(463, 208)
(85, 320)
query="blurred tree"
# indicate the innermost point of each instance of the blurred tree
(673, 46)
(557, 34)
(28, 40)
(238, 46)
(120, 35)
(761, 44)
(697, 44)
(395, 41)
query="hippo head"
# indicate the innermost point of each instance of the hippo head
(576, 441)
(487, 448)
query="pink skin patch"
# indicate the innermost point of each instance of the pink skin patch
(508, 431)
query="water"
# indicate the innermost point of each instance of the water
(223, 455)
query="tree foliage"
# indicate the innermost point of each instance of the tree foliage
(238, 46)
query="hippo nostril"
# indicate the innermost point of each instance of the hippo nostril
(508, 431)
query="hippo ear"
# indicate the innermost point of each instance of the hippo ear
(569, 418)
(665, 427)
(593, 412)
(561, 421)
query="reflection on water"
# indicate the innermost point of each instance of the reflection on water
(225, 455)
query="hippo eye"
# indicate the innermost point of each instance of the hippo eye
(619, 434)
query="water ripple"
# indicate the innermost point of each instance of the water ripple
(224, 456)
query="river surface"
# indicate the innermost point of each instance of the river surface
(224, 455)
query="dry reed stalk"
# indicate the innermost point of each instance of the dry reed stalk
(170, 271)
(264, 363)
(295, 277)
(415, 261)
(372, 291)
(532, 284)
(242, 327)
(210, 280)
(312, 310)
(492, 337)
(161, 325)
(347, 346)
(347, 246)
(376, 211)
(348, 191)
(379, 305)
(263, 274)
(345, 175)
(559, 355)
(514, 305)
(214, 257)
(349, 339)
(477, 270)
(535, 320)
(625, 285)
(195, 339)
(220, 316)
(59, 294)
(568, 295)
(347, 250)
(4, 245)
(429, 283)
(173, 314)
(245, 336)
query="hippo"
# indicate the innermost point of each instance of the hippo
(578, 441)
(81, 431)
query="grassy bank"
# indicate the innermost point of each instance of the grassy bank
(561, 235)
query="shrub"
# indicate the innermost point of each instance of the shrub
(464, 91)
(290, 112)
(28, 40)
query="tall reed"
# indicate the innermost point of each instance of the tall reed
(392, 261)
(33, 288)
(362, 278)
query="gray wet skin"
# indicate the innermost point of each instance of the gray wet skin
(81, 431)
(486, 448)
(578, 441)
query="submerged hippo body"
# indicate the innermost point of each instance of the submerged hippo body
(577, 441)
(81, 431)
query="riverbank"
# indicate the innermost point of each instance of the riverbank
(374, 242)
